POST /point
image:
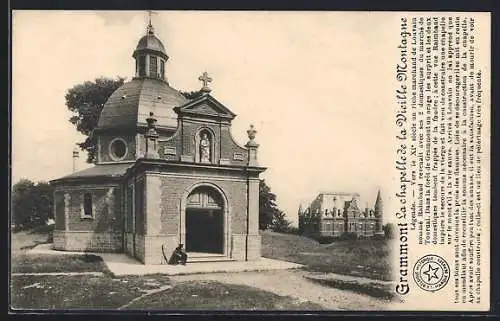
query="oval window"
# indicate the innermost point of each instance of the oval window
(118, 149)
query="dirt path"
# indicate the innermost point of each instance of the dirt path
(292, 283)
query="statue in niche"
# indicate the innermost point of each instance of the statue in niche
(204, 149)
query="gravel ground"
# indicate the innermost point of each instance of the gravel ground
(292, 283)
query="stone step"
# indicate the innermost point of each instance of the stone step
(197, 259)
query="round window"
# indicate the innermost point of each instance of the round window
(118, 149)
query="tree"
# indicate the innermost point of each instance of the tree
(22, 207)
(279, 222)
(267, 205)
(43, 202)
(270, 216)
(388, 230)
(85, 101)
(31, 204)
(192, 94)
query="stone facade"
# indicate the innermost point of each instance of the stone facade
(334, 214)
(162, 186)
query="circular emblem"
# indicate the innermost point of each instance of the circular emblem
(431, 272)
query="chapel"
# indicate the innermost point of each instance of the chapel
(167, 172)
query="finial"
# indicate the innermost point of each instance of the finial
(151, 137)
(252, 147)
(251, 133)
(150, 28)
(205, 79)
(151, 121)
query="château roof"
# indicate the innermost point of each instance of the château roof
(130, 105)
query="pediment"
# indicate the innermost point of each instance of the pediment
(205, 106)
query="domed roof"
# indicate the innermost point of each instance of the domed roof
(130, 105)
(151, 42)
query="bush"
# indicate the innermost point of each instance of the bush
(90, 258)
(291, 230)
(326, 239)
(349, 236)
(388, 231)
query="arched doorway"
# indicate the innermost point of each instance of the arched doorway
(205, 221)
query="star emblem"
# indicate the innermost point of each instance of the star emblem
(431, 273)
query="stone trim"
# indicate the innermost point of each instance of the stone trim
(67, 199)
(99, 150)
(187, 158)
(204, 177)
(118, 162)
(110, 149)
(147, 73)
(83, 187)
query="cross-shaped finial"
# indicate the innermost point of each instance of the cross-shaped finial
(205, 79)
(150, 26)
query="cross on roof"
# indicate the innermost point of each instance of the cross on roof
(205, 79)
(150, 26)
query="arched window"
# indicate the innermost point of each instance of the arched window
(142, 66)
(153, 67)
(162, 69)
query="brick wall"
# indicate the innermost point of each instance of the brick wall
(107, 211)
(174, 188)
(140, 207)
(102, 232)
(88, 241)
(163, 219)
(59, 210)
(184, 143)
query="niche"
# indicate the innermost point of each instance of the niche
(204, 146)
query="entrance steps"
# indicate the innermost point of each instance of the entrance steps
(196, 257)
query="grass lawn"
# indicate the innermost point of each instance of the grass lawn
(90, 292)
(36, 263)
(105, 292)
(210, 295)
(30, 238)
(366, 257)
(77, 292)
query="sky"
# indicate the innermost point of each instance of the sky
(318, 86)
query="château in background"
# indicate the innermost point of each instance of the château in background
(332, 214)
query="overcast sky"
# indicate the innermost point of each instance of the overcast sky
(318, 86)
